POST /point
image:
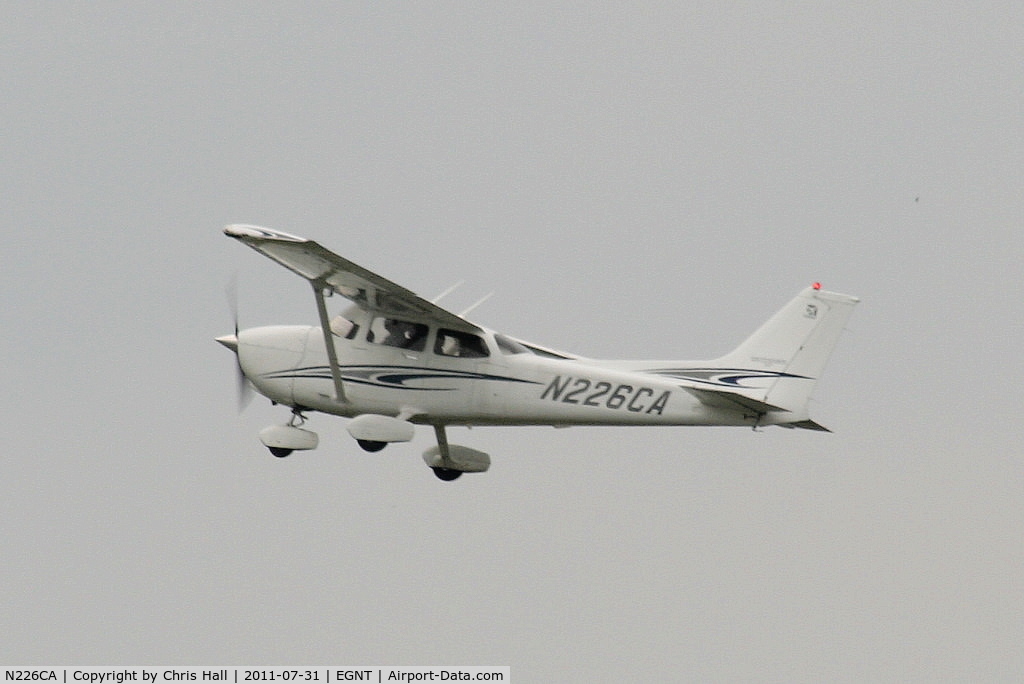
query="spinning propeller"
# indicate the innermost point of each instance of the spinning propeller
(244, 388)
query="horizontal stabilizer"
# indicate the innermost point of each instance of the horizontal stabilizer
(731, 400)
(805, 425)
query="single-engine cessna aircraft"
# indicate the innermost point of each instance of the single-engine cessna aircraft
(392, 360)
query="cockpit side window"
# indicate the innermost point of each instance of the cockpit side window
(509, 346)
(460, 344)
(392, 332)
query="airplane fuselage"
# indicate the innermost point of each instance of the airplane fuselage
(289, 364)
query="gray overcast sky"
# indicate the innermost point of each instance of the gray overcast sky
(632, 181)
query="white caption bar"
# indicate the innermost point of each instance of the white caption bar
(248, 675)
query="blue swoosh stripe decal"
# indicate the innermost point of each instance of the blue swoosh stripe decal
(393, 377)
(725, 377)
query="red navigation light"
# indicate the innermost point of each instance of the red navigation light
(816, 286)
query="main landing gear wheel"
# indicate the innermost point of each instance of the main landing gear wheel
(279, 452)
(371, 445)
(447, 474)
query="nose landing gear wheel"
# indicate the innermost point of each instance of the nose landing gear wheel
(370, 445)
(447, 474)
(282, 440)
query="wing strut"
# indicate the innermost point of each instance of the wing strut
(325, 326)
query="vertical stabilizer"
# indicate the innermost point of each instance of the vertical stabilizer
(792, 347)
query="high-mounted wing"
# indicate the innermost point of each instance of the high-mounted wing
(326, 270)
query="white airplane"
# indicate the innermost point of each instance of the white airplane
(392, 360)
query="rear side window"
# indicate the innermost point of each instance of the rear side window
(460, 344)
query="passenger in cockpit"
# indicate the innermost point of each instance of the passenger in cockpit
(405, 335)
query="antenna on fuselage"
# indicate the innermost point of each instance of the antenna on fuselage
(478, 303)
(447, 292)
